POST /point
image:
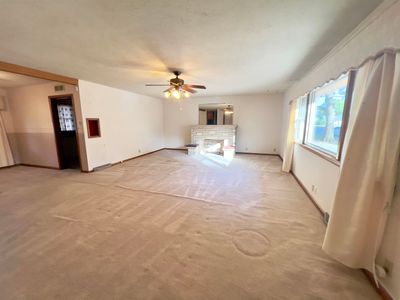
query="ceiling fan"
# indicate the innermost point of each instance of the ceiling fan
(177, 87)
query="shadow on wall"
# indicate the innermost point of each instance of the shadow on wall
(334, 34)
(188, 134)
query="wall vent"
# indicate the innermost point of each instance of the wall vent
(326, 218)
(59, 88)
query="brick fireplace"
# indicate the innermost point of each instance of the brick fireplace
(213, 146)
(212, 138)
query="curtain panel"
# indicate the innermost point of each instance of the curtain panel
(6, 157)
(369, 164)
(290, 139)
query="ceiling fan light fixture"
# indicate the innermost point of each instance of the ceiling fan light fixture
(167, 94)
(176, 94)
(178, 89)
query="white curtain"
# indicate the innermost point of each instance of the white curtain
(360, 86)
(290, 140)
(6, 157)
(368, 170)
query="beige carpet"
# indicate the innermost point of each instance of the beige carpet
(166, 226)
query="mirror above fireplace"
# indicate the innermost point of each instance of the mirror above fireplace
(216, 114)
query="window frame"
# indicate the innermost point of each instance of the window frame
(306, 96)
(345, 120)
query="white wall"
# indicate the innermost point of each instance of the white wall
(318, 175)
(377, 32)
(130, 124)
(202, 117)
(220, 117)
(258, 118)
(29, 123)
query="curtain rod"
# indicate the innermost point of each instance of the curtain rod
(377, 55)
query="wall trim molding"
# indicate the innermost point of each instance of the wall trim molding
(134, 157)
(238, 152)
(379, 288)
(17, 69)
(370, 19)
(7, 167)
(179, 149)
(38, 166)
(313, 201)
(257, 153)
(144, 154)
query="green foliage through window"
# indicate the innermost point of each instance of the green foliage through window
(326, 114)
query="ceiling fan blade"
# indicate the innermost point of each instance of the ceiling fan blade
(150, 84)
(170, 89)
(196, 86)
(188, 89)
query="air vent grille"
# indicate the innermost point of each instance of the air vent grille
(59, 88)
(326, 218)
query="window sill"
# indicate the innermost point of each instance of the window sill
(320, 154)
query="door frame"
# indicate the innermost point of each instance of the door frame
(55, 98)
(17, 69)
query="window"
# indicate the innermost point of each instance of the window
(325, 120)
(320, 121)
(300, 118)
(66, 117)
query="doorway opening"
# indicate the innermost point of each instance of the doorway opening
(64, 122)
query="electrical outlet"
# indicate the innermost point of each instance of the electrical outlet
(274, 149)
(314, 189)
(247, 148)
(139, 151)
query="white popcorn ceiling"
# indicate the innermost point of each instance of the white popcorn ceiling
(231, 46)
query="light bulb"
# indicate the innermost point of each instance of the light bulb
(187, 94)
(176, 94)
(167, 94)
